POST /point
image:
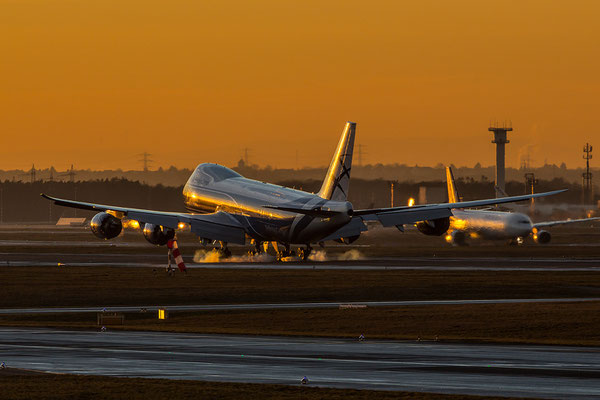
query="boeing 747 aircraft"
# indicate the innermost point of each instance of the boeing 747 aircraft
(227, 208)
(494, 225)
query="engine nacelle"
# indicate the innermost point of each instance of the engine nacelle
(457, 238)
(157, 234)
(542, 237)
(105, 226)
(434, 227)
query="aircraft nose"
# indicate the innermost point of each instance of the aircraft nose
(522, 221)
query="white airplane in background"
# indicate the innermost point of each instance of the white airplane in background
(227, 208)
(494, 225)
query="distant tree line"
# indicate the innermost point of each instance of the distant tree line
(21, 201)
(397, 172)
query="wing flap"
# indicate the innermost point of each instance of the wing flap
(170, 221)
(218, 226)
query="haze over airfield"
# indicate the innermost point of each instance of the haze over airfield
(94, 83)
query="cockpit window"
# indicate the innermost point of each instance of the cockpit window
(218, 172)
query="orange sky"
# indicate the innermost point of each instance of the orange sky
(96, 82)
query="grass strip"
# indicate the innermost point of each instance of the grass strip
(533, 323)
(27, 386)
(112, 286)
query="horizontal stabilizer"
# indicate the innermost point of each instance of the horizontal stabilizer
(550, 224)
(353, 228)
(313, 212)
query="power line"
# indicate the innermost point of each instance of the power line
(146, 160)
(246, 151)
(70, 173)
(361, 154)
(31, 173)
(587, 175)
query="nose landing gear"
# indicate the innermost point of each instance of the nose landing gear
(304, 253)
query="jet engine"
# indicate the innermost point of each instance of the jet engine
(105, 226)
(542, 237)
(434, 227)
(157, 234)
(458, 238)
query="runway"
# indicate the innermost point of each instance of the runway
(284, 306)
(505, 370)
(96, 259)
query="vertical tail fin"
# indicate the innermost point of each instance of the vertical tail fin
(452, 193)
(499, 192)
(337, 181)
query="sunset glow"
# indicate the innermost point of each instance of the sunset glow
(95, 83)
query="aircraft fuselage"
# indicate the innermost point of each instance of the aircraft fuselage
(212, 188)
(491, 225)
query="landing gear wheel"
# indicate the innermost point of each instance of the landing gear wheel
(258, 248)
(224, 252)
(304, 253)
(285, 253)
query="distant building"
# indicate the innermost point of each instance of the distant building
(71, 222)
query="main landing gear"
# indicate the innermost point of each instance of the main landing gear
(302, 252)
(283, 253)
(518, 241)
(223, 250)
(259, 247)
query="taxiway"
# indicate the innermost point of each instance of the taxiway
(285, 306)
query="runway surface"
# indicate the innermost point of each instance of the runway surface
(93, 259)
(283, 306)
(504, 370)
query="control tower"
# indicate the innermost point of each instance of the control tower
(500, 140)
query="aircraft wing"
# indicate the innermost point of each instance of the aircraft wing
(216, 226)
(409, 215)
(549, 224)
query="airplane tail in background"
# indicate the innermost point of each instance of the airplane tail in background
(337, 181)
(452, 192)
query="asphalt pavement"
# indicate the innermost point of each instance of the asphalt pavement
(489, 370)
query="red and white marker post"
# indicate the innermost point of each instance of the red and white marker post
(174, 251)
